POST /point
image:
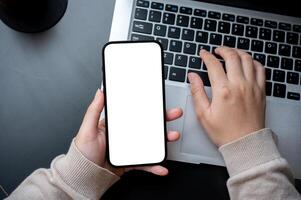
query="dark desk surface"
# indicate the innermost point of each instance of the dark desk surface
(47, 80)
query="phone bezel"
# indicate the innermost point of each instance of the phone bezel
(106, 108)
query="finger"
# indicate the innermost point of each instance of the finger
(215, 69)
(198, 93)
(247, 65)
(232, 61)
(92, 115)
(102, 124)
(173, 114)
(157, 169)
(173, 136)
(260, 74)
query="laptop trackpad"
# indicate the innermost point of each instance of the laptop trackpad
(195, 141)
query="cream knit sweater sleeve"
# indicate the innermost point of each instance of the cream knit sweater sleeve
(256, 169)
(70, 176)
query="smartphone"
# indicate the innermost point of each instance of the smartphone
(133, 80)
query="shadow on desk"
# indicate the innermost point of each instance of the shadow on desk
(185, 181)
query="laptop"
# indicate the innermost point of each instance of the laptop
(271, 34)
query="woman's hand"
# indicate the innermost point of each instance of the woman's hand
(91, 138)
(237, 107)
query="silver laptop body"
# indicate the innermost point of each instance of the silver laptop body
(283, 113)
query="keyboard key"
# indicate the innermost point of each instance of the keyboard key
(223, 27)
(265, 34)
(285, 26)
(284, 50)
(142, 3)
(171, 8)
(293, 95)
(203, 75)
(242, 19)
(257, 45)
(238, 29)
(202, 46)
(137, 37)
(278, 75)
(268, 73)
(278, 36)
(200, 13)
(215, 39)
(270, 24)
(201, 37)
(286, 63)
(292, 38)
(279, 90)
(175, 46)
(214, 15)
(251, 31)
(142, 27)
(182, 20)
(160, 30)
(268, 88)
(228, 17)
(169, 18)
(158, 6)
(229, 41)
(164, 42)
(297, 28)
(168, 58)
(243, 43)
(189, 48)
(141, 13)
(292, 78)
(188, 34)
(186, 10)
(196, 22)
(181, 60)
(260, 58)
(174, 32)
(298, 65)
(155, 16)
(270, 47)
(296, 52)
(273, 61)
(257, 22)
(210, 25)
(177, 74)
(194, 62)
(204, 67)
(165, 72)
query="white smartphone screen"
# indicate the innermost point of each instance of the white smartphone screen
(135, 103)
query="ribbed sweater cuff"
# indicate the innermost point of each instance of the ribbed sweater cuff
(84, 176)
(249, 151)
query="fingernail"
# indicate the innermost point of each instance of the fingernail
(191, 77)
(202, 51)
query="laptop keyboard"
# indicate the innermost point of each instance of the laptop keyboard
(183, 31)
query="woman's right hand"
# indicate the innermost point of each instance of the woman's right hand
(238, 102)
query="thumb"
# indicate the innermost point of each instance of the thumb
(198, 93)
(92, 115)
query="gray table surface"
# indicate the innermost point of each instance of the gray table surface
(46, 83)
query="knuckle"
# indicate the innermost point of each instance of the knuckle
(225, 92)
(232, 55)
(246, 56)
